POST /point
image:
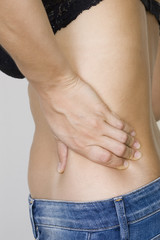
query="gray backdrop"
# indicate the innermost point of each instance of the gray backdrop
(16, 132)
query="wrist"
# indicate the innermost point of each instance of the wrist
(52, 79)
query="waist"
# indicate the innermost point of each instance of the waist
(56, 213)
(84, 180)
(128, 94)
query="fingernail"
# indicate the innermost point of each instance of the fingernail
(137, 145)
(137, 155)
(126, 163)
(59, 168)
(133, 133)
(124, 166)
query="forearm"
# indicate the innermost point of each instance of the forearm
(26, 34)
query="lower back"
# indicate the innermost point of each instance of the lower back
(118, 63)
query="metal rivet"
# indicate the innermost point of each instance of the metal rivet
(119, 199)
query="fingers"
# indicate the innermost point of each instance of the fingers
(117, 148)
(103, 157)
(62, 153)
(118, 135)
(114, 120)
(128, 129)
(106, 158)
(100, 155)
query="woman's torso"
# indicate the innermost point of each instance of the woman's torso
(113, 47)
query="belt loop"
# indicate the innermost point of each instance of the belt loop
(120, 210)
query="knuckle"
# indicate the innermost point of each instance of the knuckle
(105, 157)
(124, 137)
(121, 149)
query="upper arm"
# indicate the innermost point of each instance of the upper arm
(156, 86)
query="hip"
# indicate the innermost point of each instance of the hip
(135, 215)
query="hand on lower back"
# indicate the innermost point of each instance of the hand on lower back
(81, 121)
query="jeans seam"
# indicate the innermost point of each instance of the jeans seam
(148, 215)
(101, 229)
(155, 237)
(75, 229)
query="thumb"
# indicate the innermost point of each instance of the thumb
(62, 153)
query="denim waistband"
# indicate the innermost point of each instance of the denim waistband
(100, 214)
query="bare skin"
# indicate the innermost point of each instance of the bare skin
(114, 49)
(91, 130)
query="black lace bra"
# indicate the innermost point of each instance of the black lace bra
(60, 14)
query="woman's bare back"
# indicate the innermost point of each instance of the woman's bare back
(113, 47)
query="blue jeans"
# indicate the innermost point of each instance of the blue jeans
(132, 216)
